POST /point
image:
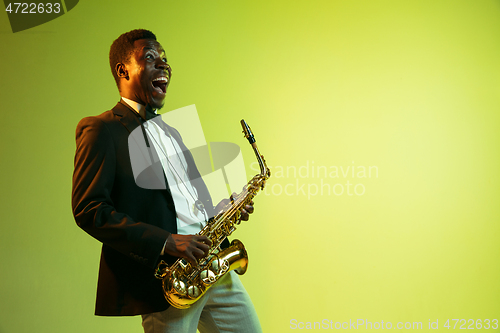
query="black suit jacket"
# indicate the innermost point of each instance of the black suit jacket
(133, 223)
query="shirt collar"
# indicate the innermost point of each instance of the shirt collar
(139, 108)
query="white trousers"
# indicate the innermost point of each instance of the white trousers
(225, 307)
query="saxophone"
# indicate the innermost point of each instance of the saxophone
(183, 284)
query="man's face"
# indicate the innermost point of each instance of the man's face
(149, 74)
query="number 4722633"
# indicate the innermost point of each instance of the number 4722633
(473, 324)
(33, 8)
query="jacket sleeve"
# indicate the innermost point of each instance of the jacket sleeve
(93, 207)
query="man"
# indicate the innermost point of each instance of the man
(140, 226)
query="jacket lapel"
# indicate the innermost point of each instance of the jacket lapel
(127, 116)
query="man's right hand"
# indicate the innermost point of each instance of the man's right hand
(190, 247)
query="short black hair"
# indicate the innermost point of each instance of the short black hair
(123, 47)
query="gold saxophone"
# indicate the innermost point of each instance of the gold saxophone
(183, 284)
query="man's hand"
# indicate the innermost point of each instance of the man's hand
(245, 211)
(190, 247)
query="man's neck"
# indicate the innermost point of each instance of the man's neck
(141, 110)
(134, 105)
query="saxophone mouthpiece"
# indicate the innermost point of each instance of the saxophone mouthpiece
(247, 131)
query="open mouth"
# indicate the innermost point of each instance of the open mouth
(160, 85)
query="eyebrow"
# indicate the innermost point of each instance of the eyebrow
(162, 51)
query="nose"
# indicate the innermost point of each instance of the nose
(164, 66)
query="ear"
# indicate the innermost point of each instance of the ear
(121, 70)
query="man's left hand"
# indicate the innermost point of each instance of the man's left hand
(245, 211)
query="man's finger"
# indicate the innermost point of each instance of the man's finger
(204, 240)
(199, 253)
(203, 247)
(243, 215)
(192, 260)
(249, 209)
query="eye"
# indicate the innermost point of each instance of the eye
(149, 56)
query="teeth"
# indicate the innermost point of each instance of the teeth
(161, 79)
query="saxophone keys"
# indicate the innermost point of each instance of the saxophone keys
(224, 266)
(184, 264)
(220, 266)
(193, 292)
(179, 286)
(208, 277)
(215, 265)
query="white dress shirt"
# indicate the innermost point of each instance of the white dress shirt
(189, 219)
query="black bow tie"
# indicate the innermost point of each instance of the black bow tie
(150, 113)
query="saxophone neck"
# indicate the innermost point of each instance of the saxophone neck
(264, 170)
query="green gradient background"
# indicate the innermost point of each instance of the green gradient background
(412, 87)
